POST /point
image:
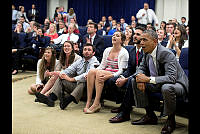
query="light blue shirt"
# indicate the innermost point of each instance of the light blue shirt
(76, 69)
(14, 15)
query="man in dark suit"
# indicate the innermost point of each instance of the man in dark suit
(124, 81)
(159, 71)
(95, 39)
(33, 14)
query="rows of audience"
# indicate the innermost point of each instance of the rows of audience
(73, 61)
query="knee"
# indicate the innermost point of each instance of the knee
(166, 89)
(92, 72)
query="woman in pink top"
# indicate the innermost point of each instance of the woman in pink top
(52, 31)
(114, 60)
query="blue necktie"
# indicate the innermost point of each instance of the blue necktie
(152, 68)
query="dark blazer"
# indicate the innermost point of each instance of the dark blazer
(30, 15)
(98, 43)
(132, 60)
(169, 69)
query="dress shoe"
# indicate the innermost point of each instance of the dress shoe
(146, 120)
(44, 99)
(116, 110)
(65, 101)
(85, 109)
(95, 109)
(120, 117)
(169, 127)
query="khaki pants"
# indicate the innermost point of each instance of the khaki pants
(71, 88)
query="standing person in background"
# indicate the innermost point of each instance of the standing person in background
(14, 15)
(70, 15)
(33, 14)
(20, 13)
(146, 15)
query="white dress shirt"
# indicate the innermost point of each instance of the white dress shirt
(143, 19)
(62, 38)
(153, 54)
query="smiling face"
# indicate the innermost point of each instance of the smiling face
(177, 32)
(48, 54)
(147, 43)
(67, 48)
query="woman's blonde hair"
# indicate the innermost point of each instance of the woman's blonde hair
(55, 29)
(43, 65)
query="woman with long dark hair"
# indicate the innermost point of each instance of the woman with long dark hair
(178, 40)
(45, 66)
(67, 57)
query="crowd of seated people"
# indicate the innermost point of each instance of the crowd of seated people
(72, 44)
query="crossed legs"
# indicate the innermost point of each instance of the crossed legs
(93, 81)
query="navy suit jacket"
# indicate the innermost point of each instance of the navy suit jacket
(98, 43)
(132, 60)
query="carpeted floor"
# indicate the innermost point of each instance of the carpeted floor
(29, 117)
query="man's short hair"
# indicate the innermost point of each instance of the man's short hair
(152, 33)
(36, 24)
(95, 25)
(183, 18)
(89, 44)
(141, 28)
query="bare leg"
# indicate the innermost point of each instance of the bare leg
(90, 85)
(49, 85)
(99, 87)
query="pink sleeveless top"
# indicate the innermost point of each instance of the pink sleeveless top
(112, 65)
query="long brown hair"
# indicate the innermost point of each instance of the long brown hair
(43, 65)
(62, 57)
(183, 36)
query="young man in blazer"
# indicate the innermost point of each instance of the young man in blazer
(95, 39)
(124, 81)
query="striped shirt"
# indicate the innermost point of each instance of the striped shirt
(112, 65)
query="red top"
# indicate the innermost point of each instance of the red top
(53, 36)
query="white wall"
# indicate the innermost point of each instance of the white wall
(52, 4)
(164, 9)
(169, 9)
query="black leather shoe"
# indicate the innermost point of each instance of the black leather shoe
(44, 99)
(169, 127)
(116, 110)
(120, 117)
(64, 101)
(146, 120)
